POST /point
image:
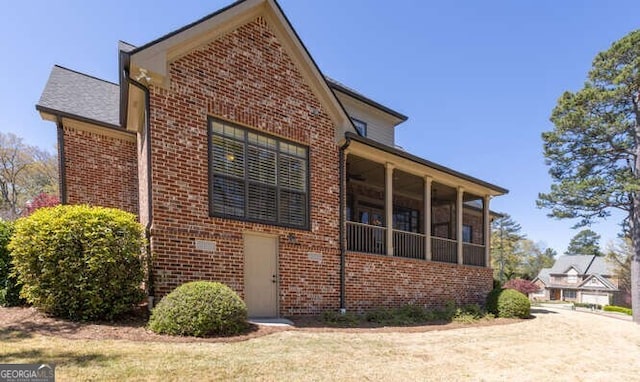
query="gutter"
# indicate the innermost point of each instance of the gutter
(126, 80)
(62, 170)
(343, 250)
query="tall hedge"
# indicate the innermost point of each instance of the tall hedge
(9, 287)
(79, 262)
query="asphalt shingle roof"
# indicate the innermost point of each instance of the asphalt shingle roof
(76, 94)
(544, 275)
(580, 262)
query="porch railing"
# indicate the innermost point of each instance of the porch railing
(366, 238)
(444, 250)
(408, 244)
(473, 254)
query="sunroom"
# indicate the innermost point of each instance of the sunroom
(400, 205)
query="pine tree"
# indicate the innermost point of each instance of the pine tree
(594, 149)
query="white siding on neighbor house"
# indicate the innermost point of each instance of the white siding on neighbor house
(380, 127)
(572, 276)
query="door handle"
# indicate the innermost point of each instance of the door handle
(274, 279)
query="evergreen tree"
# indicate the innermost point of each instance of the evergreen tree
(594, 149)
(586, 242)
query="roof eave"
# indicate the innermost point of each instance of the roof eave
(401, 117)
(497, 190)
(45, 110)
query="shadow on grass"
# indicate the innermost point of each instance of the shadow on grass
(23, 326)
(542, 311)
(12, 333)
(58, 358)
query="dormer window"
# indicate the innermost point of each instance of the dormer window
(360, 126)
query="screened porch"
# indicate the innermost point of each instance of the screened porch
(393, 212)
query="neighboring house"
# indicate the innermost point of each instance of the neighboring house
(585, 279)
(251, 168)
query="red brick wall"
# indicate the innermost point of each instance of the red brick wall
(246, 77)
(101, 170)
(374, 280)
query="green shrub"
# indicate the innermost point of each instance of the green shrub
(9, 287)
(508, 303)
(619, 309)
(200, 308)
(340, 320)
(79, 262)
(468, 313)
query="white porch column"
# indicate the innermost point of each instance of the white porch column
(427, 217)
(459, 216)
(487, 231)
(388, 206)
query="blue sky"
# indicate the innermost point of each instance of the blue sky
(478, 80)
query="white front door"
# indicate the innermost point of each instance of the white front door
(261, 275)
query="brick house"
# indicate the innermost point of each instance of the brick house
(250, 167)
(585, 279)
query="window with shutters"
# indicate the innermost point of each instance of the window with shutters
(257, 177)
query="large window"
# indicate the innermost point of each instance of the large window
(257, 177)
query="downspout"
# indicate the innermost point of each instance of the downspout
(62, 170)
(147, 123)
(343, 250)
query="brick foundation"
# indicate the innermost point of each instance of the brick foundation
(373, 281)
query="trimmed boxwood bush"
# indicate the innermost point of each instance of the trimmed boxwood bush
(79, 262)
(9, 287)
(508, 303)
(200, 308)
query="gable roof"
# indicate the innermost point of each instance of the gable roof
(152, 59)
(73, 94)
(607, 285)
(580, 263)
(584, 264)
(544, 276)
(83, 97)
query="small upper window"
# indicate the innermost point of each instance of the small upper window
(360, 126)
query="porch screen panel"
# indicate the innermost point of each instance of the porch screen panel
(257, 177)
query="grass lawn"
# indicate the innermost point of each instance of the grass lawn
(556, 345)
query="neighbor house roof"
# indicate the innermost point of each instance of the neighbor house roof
(72, 94)
(603, 280)
(580, 263)
(600, 266)
(544, 276)
(594, 266)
